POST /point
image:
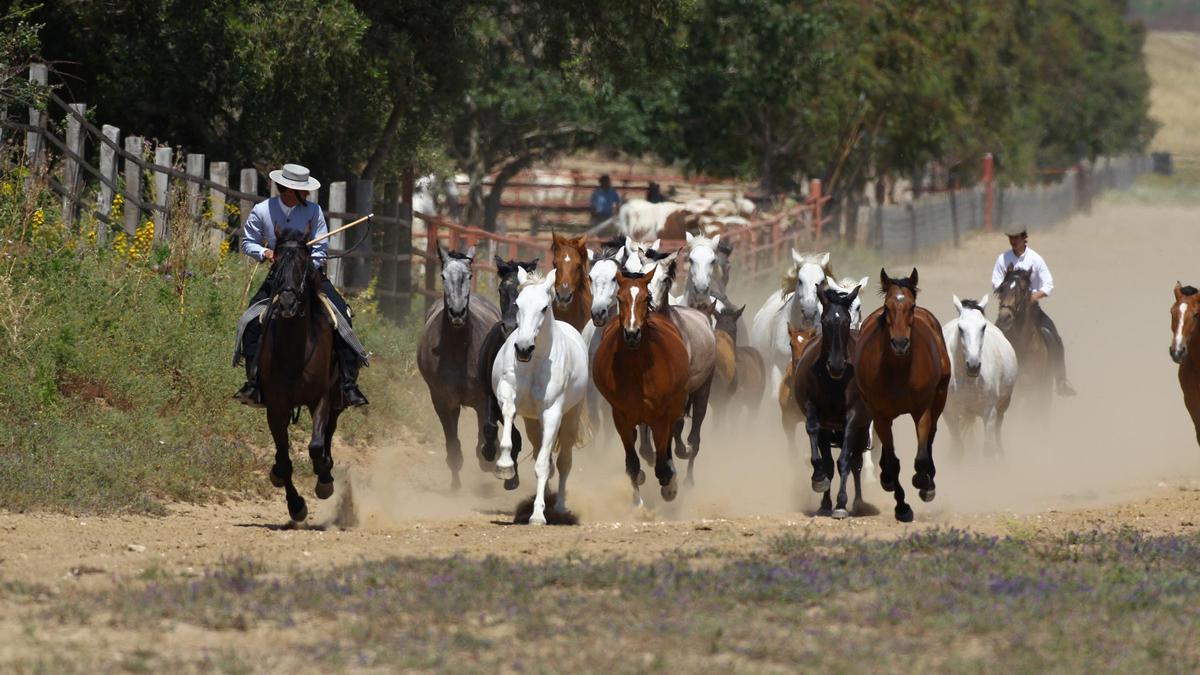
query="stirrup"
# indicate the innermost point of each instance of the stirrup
(249, 395)
(353, 398)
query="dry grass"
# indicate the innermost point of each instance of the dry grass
(1173, 60)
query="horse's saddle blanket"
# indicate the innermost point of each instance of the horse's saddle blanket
(341, 324)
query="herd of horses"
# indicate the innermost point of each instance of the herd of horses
(602, 336)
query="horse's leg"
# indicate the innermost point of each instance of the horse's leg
(812, 425)
(281, 473)
(855, 444)
(489, 425)
(926, 432)
(645, 444)
(550, 418)
(506, 462)
(843, 467)
(681, 450)
(699, 405)
(791, 418)
(664, 465)
(568, 434)
(318, 447)
(448, 415)
(889, 466)
(484, 439)
(533, 433)
(628, 431)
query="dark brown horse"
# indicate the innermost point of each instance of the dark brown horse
(297, 368)
(741, 374)
(641, 368)
(835, 414)
(1017, 319)
(902, 368)
(1185, 347)
(572, 288)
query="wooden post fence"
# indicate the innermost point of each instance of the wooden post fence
(337, 204)
(133, 184)
(162, 187)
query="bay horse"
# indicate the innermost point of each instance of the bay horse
(602, 277)
(541, 374)
(448, 354)
(902, 368)
(506, 272)
(834, 411)
(741, 374)
(983, 372)
(572, 290)
(1017, 318)
(1185, 348)
(791, 414)
(641, 369)
(297, 366)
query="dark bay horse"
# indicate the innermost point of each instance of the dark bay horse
(1017, 319)
(509, 284)
(297, 366)
(902, 368)
(572, 288)
(641, 368)
(741, 374)
(448, 354)
(834, 411)
(790, 411)
(1185, 347)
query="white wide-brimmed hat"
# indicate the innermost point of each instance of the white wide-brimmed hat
(295, 177)
(1016, 231)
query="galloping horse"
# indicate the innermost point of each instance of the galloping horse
(641, 369)
(1016, 317)
(541, 374)
(603, 280)
(506, 270)
(983, 370)
(702, 272)
(1185, 348)
(791, 414)
(572, 291)
(834, 412)
(741, 374)
(297, 368)
(902, 368)
(448, 354)
(796, 305)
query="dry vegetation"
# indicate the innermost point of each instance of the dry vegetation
(1173, 60)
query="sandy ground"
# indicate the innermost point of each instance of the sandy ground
(1121, 453)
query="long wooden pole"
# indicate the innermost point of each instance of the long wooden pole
(343, 228)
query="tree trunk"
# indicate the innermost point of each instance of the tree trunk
(492, 204)
(386, 139)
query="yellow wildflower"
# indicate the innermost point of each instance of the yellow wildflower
(224, 247)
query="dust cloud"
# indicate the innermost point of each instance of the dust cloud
(1124, 433)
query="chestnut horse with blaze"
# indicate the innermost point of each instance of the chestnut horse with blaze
(572, 287)
(902, 368)
(1185, 347)
(641, 368)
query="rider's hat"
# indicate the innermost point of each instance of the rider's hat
(1016, 231)
(295, 177)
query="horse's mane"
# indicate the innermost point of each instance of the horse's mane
(655, 255)
(971, 304)
(1188, 290)
(902, 283)
(702, 240)
(616, 243)
(456, 255)
(531, 279)
(791, 277)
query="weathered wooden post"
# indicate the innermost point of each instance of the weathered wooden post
(359, 271)
(815, 193)
(404, 265)
(133, 184)
(195, 171)
(989, 181)
(337, 204)
(108, 173)
(71, 182)
(162, 188)
(218, 172)
(248, 183)
(431, 261)
(390, 208)
(35, 149)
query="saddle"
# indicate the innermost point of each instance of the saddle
(341, 325)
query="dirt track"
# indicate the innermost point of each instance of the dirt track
(1122, 453)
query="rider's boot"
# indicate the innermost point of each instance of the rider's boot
(349, 366)
(249, 394)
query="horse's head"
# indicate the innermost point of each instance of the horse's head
(660, 287)
(533, 311)
(292, 272)
(726, 316)
(836, 322)
(724, 250)
(805, 279)
(1014, 296)
(603, 277)
(899, 307)
(846, 285)
(639, 253)
(972, 325)
(702, 256)
(508, 288)
(456, 282)
(570, 256)
(798, 338)
(1185, 314)
(633, 303)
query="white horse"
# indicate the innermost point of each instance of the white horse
(983, 370)
(641, 220)
(701, 277)
(541, 374)
(799, 307)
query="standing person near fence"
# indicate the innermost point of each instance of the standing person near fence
(291, 210)
(605, 201)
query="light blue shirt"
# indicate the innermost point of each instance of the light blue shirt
(259, 232)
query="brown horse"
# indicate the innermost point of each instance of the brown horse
(1185, 347)
(798, 340)
(902, 368)
(741, 375)
(297, 368)
(1017, 319)
(572, 288)
(641, 368)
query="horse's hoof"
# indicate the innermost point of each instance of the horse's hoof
(691, 480)
(824, 512)
(537, 518)
(840, 514)
(455, 484)
(488, 453)
(276, 479)
(670, 490)
(904, 513)
(820, 485)
(324, 490)
(512, 483)
(887, 485)
(922, 481)
(928, 495)
(505, 472)
(641, 478)
(681, 451)
(299, 514)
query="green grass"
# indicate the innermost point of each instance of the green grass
(941, 601)
(118, 377)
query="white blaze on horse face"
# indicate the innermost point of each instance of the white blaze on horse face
(1182, 309)
(633, 293)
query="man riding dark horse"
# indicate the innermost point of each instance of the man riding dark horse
(1021, 257)
(291, 210)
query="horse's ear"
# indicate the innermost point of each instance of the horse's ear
(853, 295)
(823, 261)
(983, 302)
(797, 258)
(630, 244)
(548, 282)
(862, 283)
(470, 254)
(741, 309)
(716, 241)
(531, 265)
(884, 280)
(556, 238)
(580, 241)
(278, 233)
(689, 238)
(499, 263)
(620, 256)
(591, 255)
(655, 244)
(1178, 291)
(307, 232)
(957, 304)
(441, 253)
(1010, 269)
(522, 275)
(912, 278)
